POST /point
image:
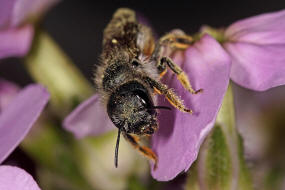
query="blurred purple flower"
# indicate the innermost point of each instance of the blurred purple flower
(15, 32)
(15, 41)
(89, 118)
(180, 135)
(8, 91)
(18, 112)
(13, 178)
(256, 46)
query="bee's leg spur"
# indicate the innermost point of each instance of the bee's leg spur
(169, 94)
(178, 41)
(181, 76)
(147, 152)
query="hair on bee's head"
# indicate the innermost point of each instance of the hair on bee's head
(131, 108)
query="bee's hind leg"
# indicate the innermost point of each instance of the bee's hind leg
(147, 152)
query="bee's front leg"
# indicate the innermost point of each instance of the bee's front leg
(147, 152)
(170, 95)
(180, 74)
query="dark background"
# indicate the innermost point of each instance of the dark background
(77, 25)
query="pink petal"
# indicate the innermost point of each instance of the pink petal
(257, 67)
(89, 118)
(8, 91)
(180, 135)
(257, 47)
(25, 9)
(19, 116)
(261, 29)
(6, 7)
(14, 12)
(15, 41)
(14, 178)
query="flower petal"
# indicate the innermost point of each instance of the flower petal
(14, 178)
(15, 41)
(257, 67)
(8, 91)
(261, 29)
(257, 46)
(180, 135)
(89, 118)
(19, 116)
(14, 12)
(6, 6)
(25, 9)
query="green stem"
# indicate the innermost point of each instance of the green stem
(220, 164)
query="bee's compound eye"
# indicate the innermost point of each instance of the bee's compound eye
(135, 63)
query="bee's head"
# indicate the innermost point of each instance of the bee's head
(131, 109)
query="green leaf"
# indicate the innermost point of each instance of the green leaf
(241, 178)
(218, 161)
(245, 179)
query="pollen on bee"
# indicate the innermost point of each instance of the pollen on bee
(114, 41)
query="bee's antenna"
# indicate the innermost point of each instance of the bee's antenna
(160, 107)
(117, 147)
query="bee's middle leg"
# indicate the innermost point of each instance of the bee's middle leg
(177, 40)
(147, 152)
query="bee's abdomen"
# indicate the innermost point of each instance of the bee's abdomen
(118, 26)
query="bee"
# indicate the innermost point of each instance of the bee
(128, 77)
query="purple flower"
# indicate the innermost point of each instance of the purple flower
(18, 113)
(8, 91)
(14, 178)
(180, 135)
(15, 41)
(89, 118)
(256, 46)
(15, 31)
